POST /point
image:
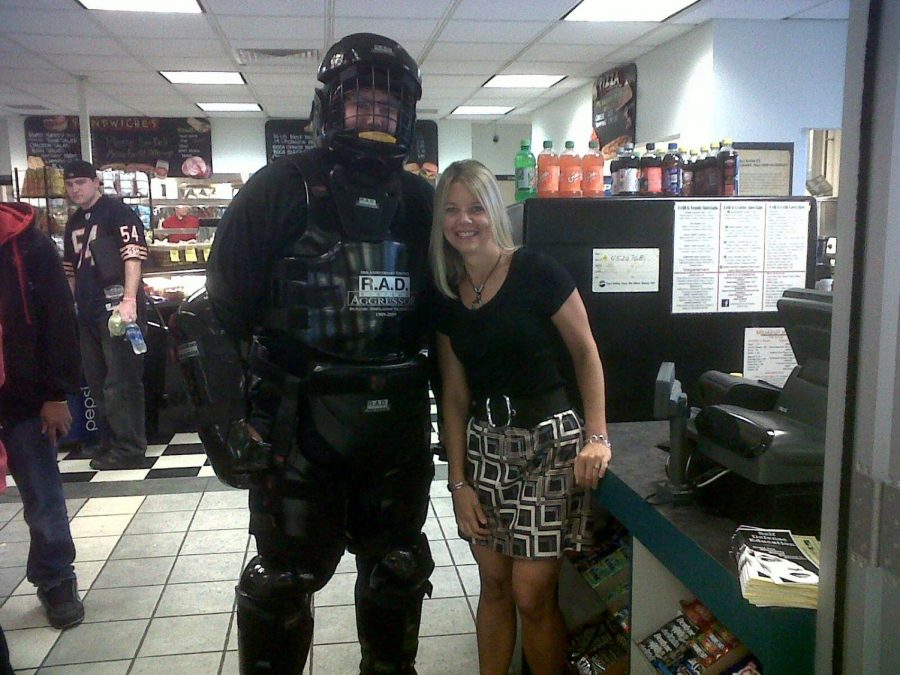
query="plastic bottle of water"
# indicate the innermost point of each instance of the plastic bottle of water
(136, 338)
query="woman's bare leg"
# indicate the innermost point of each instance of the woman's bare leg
(543, 629)
(495, 621)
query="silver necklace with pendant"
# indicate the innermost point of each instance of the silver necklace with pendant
(478, 290)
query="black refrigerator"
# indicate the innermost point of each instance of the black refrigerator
(693, 281)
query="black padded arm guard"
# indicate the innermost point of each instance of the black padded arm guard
(213, 373)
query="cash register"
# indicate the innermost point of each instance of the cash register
(751, 448)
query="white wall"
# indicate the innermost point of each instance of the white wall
(566, 119)
(5, 164)
(499, 157)
(16, 134)
(238, 144)
(454, 141)
(674, 90)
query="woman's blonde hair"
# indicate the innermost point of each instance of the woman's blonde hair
(446, 262)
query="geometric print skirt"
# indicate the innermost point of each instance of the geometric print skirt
(525, 481)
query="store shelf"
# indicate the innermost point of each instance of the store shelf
(694, 547)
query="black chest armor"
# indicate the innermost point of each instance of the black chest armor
(346, 289)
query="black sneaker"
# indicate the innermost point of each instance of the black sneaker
(113, 461)
(62, 604)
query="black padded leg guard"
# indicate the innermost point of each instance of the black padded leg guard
(389, 596)
(275, 624)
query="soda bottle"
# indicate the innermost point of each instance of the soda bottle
(729, 170)
(569, 172)
(651, 173)
(672, 171)
(700, 183)
(592, 171)
(687, 172)
(136, 338)
(712, 171)
(548, 172)
(116, 324)
(629, 172)
(525, 173)
(614, 171)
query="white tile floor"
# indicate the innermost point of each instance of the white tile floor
(157, 575)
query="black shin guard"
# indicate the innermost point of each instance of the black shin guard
(275, 624)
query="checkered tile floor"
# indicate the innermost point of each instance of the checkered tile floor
(181, 457)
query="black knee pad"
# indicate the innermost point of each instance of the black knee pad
(400, 577)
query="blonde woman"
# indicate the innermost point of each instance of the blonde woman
(521, 460)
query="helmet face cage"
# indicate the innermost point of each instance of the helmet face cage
(368, 106)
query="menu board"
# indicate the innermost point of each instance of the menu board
(167, 146)
(614, 106)
(287, 137)
(56, 139)
(767, 169)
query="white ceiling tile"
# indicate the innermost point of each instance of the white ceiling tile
(836, 9)
(189, 63)
(472, 51)
(83, 64)
(182, 47)
(521, 67)
(52, 45)
(586, 33)
(302, 32)
(70, 22)
(459, 82)
(143, 25)
(44, 75)
(434, 66)
(503, 10)
(567, 53)
(518, 32)
(501, 97)
(740, 9)
(266, 7)
(411, 9)
(55, 5)
(287, 79)
(401, 30)
(663, 34)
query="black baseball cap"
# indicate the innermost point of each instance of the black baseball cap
(79, 169)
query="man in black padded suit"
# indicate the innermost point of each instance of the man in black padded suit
(320, 265)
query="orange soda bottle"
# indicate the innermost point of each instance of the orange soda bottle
(548, 172)
(569, 172)
(592, 171)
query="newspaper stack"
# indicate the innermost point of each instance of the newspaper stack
(777, 568)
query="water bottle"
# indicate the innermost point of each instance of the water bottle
(525, 172)
(136, 338)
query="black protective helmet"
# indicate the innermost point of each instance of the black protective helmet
(367, 108)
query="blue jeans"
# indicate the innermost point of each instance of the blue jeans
(32, 462)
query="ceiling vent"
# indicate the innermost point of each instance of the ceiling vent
(277, 57)
(24, 107)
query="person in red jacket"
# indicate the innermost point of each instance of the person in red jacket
(182, 220)
(42, 366)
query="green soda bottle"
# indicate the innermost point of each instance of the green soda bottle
(525, 172)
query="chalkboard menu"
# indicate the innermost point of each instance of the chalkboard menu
(614, 106)
(287, 137)
(168, 146)
(56, 139)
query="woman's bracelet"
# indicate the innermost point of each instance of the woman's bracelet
(453, 487)
(599, 438)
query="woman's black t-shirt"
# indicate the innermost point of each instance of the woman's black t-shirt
(510, 345)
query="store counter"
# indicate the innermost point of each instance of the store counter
(694, 546)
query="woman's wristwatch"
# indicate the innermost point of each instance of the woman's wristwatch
(599, 438)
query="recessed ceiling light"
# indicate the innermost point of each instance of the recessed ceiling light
(482, 110)
(645, 10)
(202, 77)
(229, 107)
(524, 81)
(173, 6)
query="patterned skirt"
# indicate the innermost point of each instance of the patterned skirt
(525, 480)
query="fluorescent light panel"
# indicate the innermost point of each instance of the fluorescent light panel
(616, 10)
(482, 110)
(170, 6)
(202, 77)
(229, 107)
(524, 81)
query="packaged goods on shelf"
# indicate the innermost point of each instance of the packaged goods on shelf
(600, 647)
